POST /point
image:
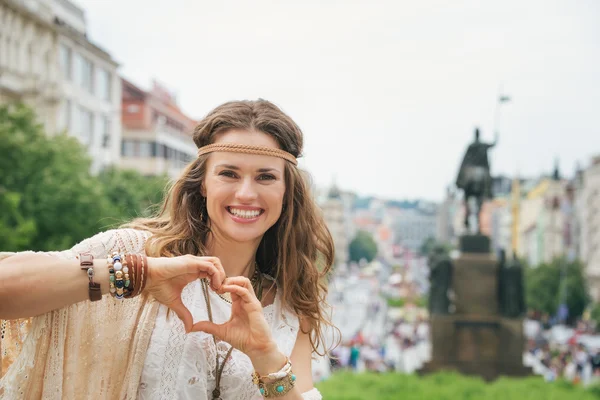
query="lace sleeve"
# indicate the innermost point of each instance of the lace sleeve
(312, 394)
(38, 347)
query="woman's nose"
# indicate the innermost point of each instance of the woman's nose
(246, 190)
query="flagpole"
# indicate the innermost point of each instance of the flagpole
(499, 100)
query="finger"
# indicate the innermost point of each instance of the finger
(209, 327)
(200, 268)
(244, 293)
(217, 279)
(183, 313)
(241, 281)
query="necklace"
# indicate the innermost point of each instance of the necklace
(257, 285)
(256, 281)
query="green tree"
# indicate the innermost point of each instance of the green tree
(427, 245)
(430, 243)
(595, 314)
(52, 200)
(16, 231)
(363, 246)
(131, 194)
(546, 283)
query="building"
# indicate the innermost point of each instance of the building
(29, 58)
(90, 109)
(334, 214)
(589, 220)
(542, 221)
(445, 232)
(157, 135)
(414, 225)
(48, 62)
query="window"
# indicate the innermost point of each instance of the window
(127, 149)
(86, 126)
(103, 84)
(145, 149)
(84, 73)
(105, 131)
(65, 115)
(65, 62)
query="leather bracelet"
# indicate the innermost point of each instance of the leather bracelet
(86, 263)
(132, 269)
(144, 272)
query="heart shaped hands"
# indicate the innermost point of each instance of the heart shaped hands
(167, 276)
(247, 329)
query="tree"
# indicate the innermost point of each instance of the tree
(363, 246)
(545, 284)
(16, 231)
(47, 183)
(131, 194)
(48, 198)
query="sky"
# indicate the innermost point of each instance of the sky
(387, 93)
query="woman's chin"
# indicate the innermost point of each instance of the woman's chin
(243, 237)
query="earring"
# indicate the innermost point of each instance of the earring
(202, 208)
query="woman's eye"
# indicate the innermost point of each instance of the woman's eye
(229, 174)
(266, 177)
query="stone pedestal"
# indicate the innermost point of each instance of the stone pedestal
(477, 345)
(476, 339)
(475, 284)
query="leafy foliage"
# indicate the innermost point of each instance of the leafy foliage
(48, 198)
(131, 195)
(544, 287)
(363, 246)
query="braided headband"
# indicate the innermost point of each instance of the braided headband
(248, 149)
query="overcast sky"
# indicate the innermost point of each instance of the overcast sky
(387, 92)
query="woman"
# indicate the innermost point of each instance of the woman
(233, 254)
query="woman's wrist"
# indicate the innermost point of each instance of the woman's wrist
(268, 360)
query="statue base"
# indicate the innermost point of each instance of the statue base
(476, 345)
(475, 244)
(475, 284)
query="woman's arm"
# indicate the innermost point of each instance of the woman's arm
(35, 283)
(301, 359)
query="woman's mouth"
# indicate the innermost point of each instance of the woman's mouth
(245, 213)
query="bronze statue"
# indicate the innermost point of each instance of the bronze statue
(440, 278)
(474, 177)
(511, 292)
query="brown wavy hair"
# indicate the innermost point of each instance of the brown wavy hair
(297, 250)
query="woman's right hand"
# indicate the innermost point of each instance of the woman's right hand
(167, 276)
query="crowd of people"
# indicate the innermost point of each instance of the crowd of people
(571, 354)
(381, 353)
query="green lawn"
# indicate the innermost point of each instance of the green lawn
(447, 386)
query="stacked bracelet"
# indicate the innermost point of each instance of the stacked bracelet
(127, 274)
(275, 384)
(119, 276)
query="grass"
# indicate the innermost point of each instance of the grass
(448, 386)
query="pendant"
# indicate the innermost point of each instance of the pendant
(216, 394)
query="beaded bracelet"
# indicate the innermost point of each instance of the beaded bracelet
(127, 274)
(119, 276)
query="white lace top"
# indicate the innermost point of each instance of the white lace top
(182, 366)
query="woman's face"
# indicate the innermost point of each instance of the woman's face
(244, 192)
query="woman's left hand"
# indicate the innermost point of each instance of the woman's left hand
(247, 330)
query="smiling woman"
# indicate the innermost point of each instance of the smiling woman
(238, 253)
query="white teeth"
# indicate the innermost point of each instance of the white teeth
(244, 213)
